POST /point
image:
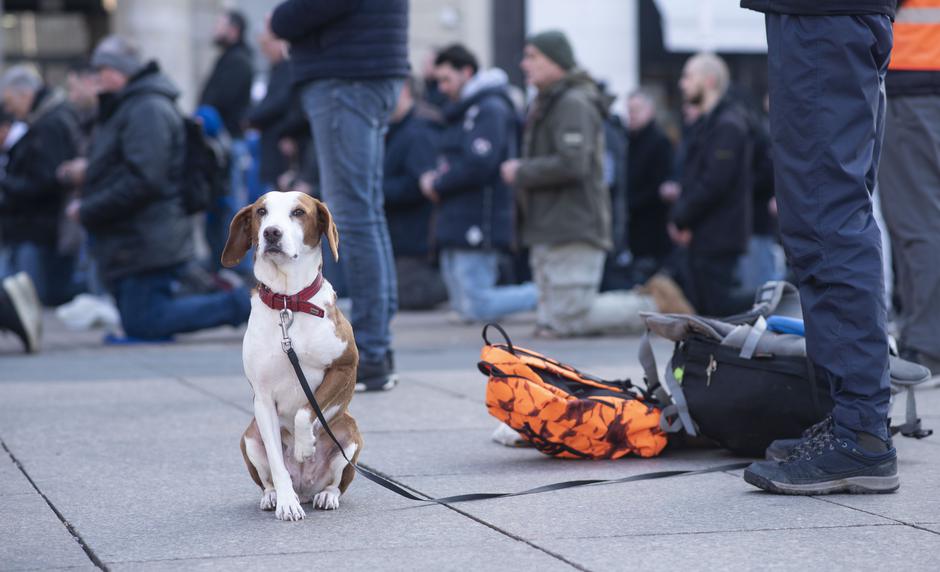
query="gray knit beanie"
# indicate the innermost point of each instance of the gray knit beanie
(117, 53)
(554, 44)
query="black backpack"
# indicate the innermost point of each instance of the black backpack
(203, 177)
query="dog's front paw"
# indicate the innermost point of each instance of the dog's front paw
(268, 500)
(290, 509)
(327, 500)
(304, 451)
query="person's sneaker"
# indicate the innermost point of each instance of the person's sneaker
(780, 449)
(377, 376)
(830, 462)
(20, 310)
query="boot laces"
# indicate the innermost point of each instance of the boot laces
(820, 439)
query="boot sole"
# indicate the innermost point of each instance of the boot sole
(849, 485)
(373, 383)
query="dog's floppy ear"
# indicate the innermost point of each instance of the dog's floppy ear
(239, 238)
(328, 228)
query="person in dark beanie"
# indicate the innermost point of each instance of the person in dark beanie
(32, 198)
(228, 88)
(132, 206)
(827, 63)
(350, 59)
(564, 205)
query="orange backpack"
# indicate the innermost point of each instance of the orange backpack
(566, 413)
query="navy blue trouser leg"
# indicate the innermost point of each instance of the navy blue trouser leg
(827, 106)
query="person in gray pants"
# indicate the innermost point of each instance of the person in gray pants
(910, 178)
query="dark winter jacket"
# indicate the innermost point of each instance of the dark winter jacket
(228, 89)
(650, 164)
(270, 117)
(562, 196)
(31, 198)
(715, 203)
(409, 152)
(823, 7)
(131, 202)
(344, 38)
(616, 142)
(481, 132)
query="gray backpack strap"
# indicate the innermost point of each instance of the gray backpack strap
(672, 387)
(753, 338)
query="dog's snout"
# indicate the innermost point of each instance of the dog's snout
(273, 234)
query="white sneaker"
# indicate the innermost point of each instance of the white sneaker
(86, 312)
(25, 311)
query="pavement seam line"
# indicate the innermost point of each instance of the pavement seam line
(892, 519)
(68, 526)
(729, 531)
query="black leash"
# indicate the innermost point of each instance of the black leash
(382, 481)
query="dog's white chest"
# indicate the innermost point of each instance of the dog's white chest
(268, 369)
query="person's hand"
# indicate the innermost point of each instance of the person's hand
(72, 172)
(509, 169)
(73, 210)
(287, 147)
(427, 186)
(286, 180)
(669, 191)
(267, 25)
(680, 237)
(772, 206)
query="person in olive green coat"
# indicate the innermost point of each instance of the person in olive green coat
(564, 206)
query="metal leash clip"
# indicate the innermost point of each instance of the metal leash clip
(287, 319)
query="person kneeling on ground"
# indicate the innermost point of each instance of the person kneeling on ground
(132, 203)
(564, 206)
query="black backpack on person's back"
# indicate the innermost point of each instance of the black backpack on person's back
(204, 172)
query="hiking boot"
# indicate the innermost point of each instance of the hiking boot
(830, 462)
(377, 376)
(780, 449)
(20, 310)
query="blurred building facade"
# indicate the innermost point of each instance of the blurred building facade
(625, 43)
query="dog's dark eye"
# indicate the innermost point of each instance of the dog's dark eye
(298, 212)
(262, 211)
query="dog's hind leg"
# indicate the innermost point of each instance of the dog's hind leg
(337, 473)
(257, 461)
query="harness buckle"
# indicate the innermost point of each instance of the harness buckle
(286, 320)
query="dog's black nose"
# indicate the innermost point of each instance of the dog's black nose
(273, 234)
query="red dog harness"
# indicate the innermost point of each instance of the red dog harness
(296, 303)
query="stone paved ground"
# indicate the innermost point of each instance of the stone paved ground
(126, 458)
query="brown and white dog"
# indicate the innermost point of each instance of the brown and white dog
(287, 452)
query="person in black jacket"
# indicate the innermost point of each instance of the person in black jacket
(32, 198)
(409, 152)
(474, 215)
(269, 115)
(350, 58)
(228, 88)
(712, 215)
(131, 202)
(650, 163)
(827, 63)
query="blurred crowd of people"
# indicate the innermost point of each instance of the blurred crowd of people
(492, 199)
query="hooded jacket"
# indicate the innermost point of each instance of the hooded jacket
(31, 197)
(475, 210)
(562, 197)
(131, 202)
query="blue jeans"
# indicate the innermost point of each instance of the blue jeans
(52, 273)
(762, 263)
(349, 119)
(470, 277)
(827, 109)
(151, 311)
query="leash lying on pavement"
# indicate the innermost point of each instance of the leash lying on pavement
(286, 317)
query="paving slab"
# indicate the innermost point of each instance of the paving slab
(843, 548)
(12, 480)
(495, 555)
(33, 538)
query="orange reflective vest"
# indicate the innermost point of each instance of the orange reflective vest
(917, 36)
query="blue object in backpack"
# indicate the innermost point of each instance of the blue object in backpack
(785, 325)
